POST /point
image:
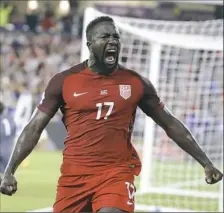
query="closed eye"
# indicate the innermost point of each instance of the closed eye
(105, 36)
(116, 36)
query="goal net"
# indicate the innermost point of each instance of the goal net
(184, 60)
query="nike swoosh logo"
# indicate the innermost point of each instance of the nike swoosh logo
(78, 94)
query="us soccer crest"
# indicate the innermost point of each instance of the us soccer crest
(125, 91)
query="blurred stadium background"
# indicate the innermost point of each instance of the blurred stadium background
(178, 45)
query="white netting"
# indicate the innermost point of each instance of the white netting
(191, 85)
(207, 28)
(190, 82)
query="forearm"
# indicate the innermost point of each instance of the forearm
(24, 145)
(180, 134)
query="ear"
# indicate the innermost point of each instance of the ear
(88, 43)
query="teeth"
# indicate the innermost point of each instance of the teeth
(111, 58)
(111, 51)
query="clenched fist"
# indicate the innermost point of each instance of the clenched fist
(212, 174)
(8, 184)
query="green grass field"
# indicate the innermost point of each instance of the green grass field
(37, 186)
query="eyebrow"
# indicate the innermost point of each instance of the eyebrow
(106, 34)
(115, 34)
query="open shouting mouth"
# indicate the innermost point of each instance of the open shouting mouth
(111, 56)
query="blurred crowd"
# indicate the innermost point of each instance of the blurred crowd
(28, 62)
(46, 19)
(32, 51)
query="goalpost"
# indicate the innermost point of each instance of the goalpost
(184, 60)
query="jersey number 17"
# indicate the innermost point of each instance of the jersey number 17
(100, 107)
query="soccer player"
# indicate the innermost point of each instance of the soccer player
(98, 99)
(7, 137)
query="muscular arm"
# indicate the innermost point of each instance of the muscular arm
(27, 140)
(52, 100)
(175, 129)
(180, 134)
(49, 105)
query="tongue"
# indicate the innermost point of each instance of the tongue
(110, 58)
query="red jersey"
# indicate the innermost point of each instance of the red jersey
(98, 113)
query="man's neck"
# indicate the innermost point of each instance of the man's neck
(92, 64)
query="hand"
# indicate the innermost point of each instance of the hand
(8, 184)
(212, 174)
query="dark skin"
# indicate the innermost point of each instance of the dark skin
(105, 35)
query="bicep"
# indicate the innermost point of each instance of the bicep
(38, 121)
(163, 117)
(150, 101)
(153, 107)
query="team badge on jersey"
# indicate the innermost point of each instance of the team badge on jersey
(125, 91)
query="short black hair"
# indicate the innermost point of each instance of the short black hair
(94, 22)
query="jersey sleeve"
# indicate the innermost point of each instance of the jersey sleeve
(150, 100)
(52, 98)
